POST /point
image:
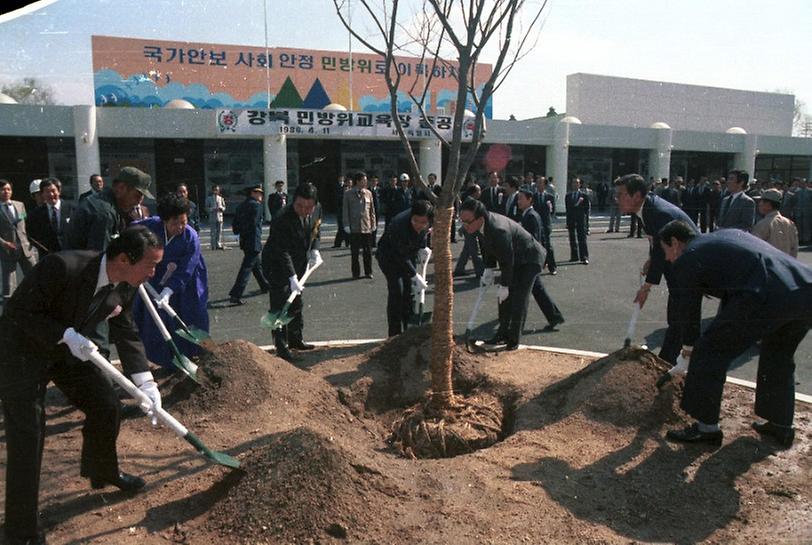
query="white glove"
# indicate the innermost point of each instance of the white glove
(423, 255)
(295, 285)
(80, 346)
(146, 383)
(488, 276)
(347, 229)
(502, 294)
(681, 368)
(314, 259)
(163, 298)
(419, 282)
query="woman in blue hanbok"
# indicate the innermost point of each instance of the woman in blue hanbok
(180, 277)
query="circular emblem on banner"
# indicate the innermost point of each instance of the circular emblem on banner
(227, 121)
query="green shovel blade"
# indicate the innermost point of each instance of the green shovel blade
(182, 362)
(217, 457)
(275, 320)
(193, 335)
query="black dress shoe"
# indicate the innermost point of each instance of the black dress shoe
(236, 302)
(691, 434)
(285, 353)
(301, 345)
(784, 435)
(495, 340)
(585, 261)
(511, 347)
(552, 325)
(554, 272)
(39, 539)
(369, 276)
(124, 481)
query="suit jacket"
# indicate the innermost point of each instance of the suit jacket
(578, 205)
(276, 202)
(492, 198)
(671, 195)
(42, 232)
(247, 223)
(14, 232)
(543, 205)
(286, 251)
(510, 207)
(729, 263)
(397, 249)
(531, 221)
(740, 214)
(57, 295)
(656, 213)
(507, 243)
(94, 221)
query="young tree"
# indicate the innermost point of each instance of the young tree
(29, 91)
(467, 31)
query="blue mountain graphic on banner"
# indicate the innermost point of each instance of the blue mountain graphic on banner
(316, 98)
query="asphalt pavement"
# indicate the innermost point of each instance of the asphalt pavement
(596, 300)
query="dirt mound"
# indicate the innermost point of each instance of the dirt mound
(619, 389)
(230, 380)
(301, 487)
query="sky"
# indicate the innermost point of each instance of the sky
(741, 44)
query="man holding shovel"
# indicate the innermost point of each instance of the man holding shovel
(48, 331)
(403, 244)
(654, 212)
(293, 246)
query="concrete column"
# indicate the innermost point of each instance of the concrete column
(746, 158)
(659, 158)
(86, 141)
(275, 164)
(557, 159)
(431, 159)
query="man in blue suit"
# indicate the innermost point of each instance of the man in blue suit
(577, 204)
(737, 211)
(544, 204)
(247, 224)
(766, 296)
(655, 212)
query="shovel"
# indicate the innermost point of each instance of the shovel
(181, 362)
(420, 318)
(627, 342)
(470, 344)
(180, 430)
(277, 320)
(190, 333)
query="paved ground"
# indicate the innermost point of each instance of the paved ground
(596, 301)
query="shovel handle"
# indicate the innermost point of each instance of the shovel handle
(308, 271)
(477, 304)
(633, 321)
(154, 313)
(155, 295)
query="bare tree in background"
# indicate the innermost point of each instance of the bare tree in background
(29, 91)
(466, 31)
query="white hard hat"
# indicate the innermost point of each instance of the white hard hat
(404, 177)
(34, 187)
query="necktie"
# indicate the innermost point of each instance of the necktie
(54, 220)
(726, 205)
(98, 300)
(9, 208)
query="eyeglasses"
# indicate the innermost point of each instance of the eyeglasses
(469, 222)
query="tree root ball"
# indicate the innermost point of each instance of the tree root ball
(471, 424)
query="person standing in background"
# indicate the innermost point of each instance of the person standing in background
(216, 206)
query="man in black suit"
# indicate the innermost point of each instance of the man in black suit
(247, 223)
(508, 206)
(182, 191)
(492, 195)
(293, 245)
(49, 328)
(96, 185)
(97, 218)
(713, 200)
(577, 205)
(48, 222)
(520, 258)
(14, 246)
(278, 199)
(654, 213)
(544, 204)
(737, 211)
(766, 296)
(402, 243)
(532, 223)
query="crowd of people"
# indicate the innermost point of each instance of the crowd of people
(83, 264)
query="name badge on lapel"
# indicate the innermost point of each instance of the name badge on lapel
(116, 311)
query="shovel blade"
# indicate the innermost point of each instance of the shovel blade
(193, 335)
(185, 364)
(276, 320)
(220, 458)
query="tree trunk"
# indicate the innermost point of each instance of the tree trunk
(442, 330)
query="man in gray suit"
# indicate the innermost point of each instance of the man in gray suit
(738, 211)
(14, 246)
(520, 258)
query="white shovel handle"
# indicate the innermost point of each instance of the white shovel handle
(633, 321)
(308, 271)
(154, 313)
(477, 304)
(155, 296)
(423, 273)
(118, 377)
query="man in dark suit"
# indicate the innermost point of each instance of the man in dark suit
(97, 218)
(182, 191)
(532, 223)
(669, 192)
(402, 242)
(766, 296)
(738, 211)
(520, 258)
(543, 204)
(509, 207)
(14, 246)
(713, 200)
(293, 245)
(96, 185)
(654, 212)
(492, 196)
(577, 205)
(247, 223)
(51, 325)
(48, 222)
(278, 199)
